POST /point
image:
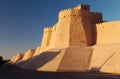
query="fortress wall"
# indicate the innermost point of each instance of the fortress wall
(64, 13)
(96, 17)
(60, 34)
(46, 38)
(108, 32)
(53, 36)
(89, 20)
(82, 28)
(76, 58)
(75, 27)
(29, 54)
(18, 57)
(43, 61)
(37, 51)
(83, 7)
(81, 25)
(53, 64)
(12, 59)
(113, 64)
(77, 32)
(103, 54)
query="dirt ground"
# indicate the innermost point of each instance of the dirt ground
(14, 72)
(28, 74)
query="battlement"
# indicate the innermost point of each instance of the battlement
(106, 30)
(69, 12)
(108, 23)
(48, 29)
(31, 50)
(83, 7)
(80, 10)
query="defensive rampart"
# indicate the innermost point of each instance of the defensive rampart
(46, 38)
(28, 54)
(108, 32)
(18, 57)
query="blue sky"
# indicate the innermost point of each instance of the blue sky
(22, 21)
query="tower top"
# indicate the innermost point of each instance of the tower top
(83, 7)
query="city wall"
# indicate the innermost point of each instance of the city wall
(46, 38)
(108, 32)
(18, 57)
(75, 31)
(37, 51)
(28, 54)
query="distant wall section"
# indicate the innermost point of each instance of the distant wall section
(46, 37)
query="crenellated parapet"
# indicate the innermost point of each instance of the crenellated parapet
(80, 11)
(69, 12)
(74, 11)
(48, 29)
(106, 30)
(108, 22)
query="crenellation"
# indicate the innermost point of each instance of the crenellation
(48, 29)
(108, 23)
(68, 12)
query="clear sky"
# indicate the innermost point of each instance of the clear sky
(22, 21)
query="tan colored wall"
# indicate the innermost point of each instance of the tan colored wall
(53, 64)
(60, 35)
(103, 58)
(108, 32)
(46, 38)
(12, 59)
(75, 27)
(113, 64)
(18, 57)
(76, 59)
(28, 54)
(53, 37)
(37, 50)
(47, 60)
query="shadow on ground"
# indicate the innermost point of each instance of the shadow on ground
(16, 73)
(37, 61)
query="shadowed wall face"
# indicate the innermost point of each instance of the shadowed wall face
(76, 59)
(18, 57)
